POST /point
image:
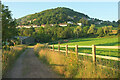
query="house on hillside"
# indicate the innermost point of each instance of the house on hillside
(43, 25)
(62, 24)
(20, 26)
(25, 39)
(27, 26)
(69, 22)
(51, 25)
(35, 26)
(80, 24)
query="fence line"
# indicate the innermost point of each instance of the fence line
(86, 54)
(109, 47)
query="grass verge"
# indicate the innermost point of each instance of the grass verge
(10, 56)
(71, 66)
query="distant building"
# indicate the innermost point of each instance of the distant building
(80, 24)
(62, 24)
(69, 22)
(51, 25)
(35, 26)
(43, 25)
(20, 26)
(27, 26)
(23, 26)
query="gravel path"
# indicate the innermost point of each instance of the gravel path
(29, 66)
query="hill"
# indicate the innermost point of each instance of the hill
(52, 16)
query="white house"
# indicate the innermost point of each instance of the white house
(27, 26)
(62, 24)
(80, 24)
(35, 26)
(69, 22)
(43, 25)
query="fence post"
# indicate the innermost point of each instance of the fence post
(76, 50)
(94, 53)
(53, 47)
(59, 48)
(66, 50)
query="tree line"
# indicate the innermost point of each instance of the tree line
(54, 33)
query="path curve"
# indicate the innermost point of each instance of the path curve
(29, 66)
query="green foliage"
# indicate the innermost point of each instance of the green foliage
(52, 16)
(84, 21)
(78, 31)
(100, 32)
(92, 29)
(54, 33)
(85, 29)
(107, 30)
(9, 27)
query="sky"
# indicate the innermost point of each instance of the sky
(101, 10)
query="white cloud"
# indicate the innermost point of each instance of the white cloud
(60, 1)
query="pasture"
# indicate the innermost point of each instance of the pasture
(109, 41)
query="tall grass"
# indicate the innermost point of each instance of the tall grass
(71, 66)
(9, 57)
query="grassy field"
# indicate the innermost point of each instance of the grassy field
(106, 41)
(109, 41)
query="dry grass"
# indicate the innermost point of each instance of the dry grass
(70, 67)
(9, 57)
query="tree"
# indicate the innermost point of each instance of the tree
(92, 29)
(68, 33)
(85, 30)
(20, 31)
(78, 31)
(100, 32)
(110, 28)
(83, 21)
(106, 30)
(28, 32)
(9, 25)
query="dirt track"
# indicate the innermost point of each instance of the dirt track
(29, 66)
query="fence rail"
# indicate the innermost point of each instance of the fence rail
(93, 55)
